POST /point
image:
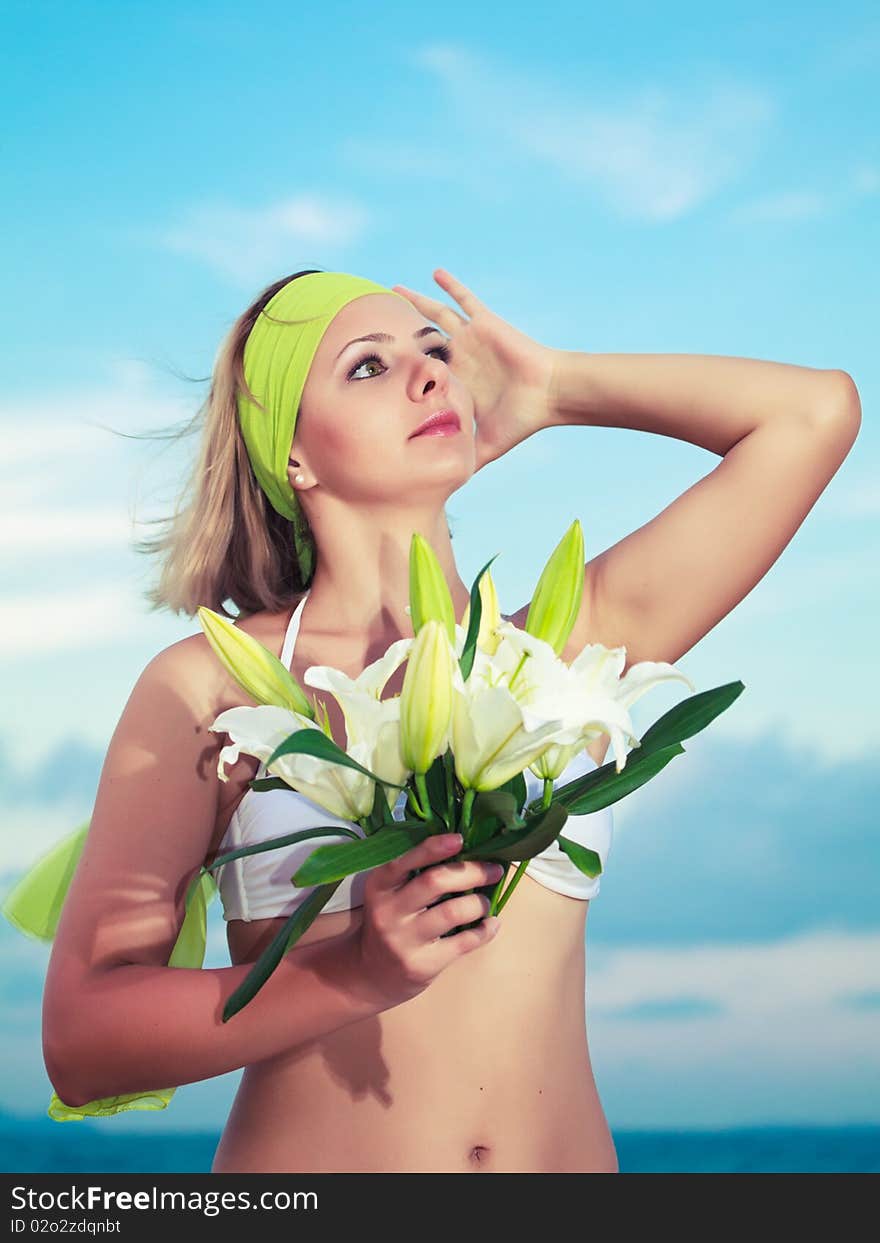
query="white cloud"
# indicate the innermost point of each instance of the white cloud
(36, 431)
(789, 205)
(653, 152)
(40, 623)
(866, 179)
(67, 483)
(860, 498)
(33, 829)
(848, 51)
(24, 532)
(64, 427)
(784, 205)
(817, 969)
(776, 1034)
(793, 589)
(239, 241)
(400, 157)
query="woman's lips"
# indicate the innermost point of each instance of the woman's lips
(445, 423)
(440, 429)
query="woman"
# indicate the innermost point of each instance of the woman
(380, 1044)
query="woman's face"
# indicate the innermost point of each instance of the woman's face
(363, 400)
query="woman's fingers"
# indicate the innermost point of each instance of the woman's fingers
(447, 317)
(468, 301)
(396, 872)
(444, 316)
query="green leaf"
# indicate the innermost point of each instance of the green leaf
(482, 828)
(690, 716)
(509, 847)
(288, 935)
(493, 811)
(584, 859)
(517, 787)
(605, 785)
(658, 745)
(466, 660)
(315, 742)
(275, 843)
(435, 780)
(452, 791)
(329, 863)
(270, 783)
(500, 803)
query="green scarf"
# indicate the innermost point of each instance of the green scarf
(277, 359)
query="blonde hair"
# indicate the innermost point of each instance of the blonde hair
(224, 542)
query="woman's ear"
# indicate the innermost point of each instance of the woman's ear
(294, 472)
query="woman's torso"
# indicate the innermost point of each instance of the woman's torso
(486, 1070)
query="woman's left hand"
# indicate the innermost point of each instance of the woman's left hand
(508, 374)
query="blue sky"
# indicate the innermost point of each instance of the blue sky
(635, 180)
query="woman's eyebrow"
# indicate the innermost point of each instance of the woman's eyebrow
(384, 336)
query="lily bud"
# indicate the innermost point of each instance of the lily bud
(426, 698)
(256, 670)
(490, 614)
(429, 593)
(560, 591)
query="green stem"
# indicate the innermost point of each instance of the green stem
(466, 804)
(414, 800)
(450, 793)
(425, 810)
(498, 898)
(498, 901)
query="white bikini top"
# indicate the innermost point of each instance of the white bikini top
(258, 886)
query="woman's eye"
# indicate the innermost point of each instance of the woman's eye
(443, 350)
(371, 358)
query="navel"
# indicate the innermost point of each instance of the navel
(479, 1155)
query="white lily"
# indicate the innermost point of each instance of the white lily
(490, 741)
(491, 736)
(372, 725)
(343, 791)
(589, 695)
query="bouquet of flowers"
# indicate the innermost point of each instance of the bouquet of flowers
(481, 702)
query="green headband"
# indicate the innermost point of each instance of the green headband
(277, 358)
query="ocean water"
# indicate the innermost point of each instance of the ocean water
(41, 1146)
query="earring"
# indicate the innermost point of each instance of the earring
(299, 478)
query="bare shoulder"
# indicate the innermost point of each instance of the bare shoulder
(191, 665)
(202, 677)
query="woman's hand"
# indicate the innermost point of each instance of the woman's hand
(508, 374)
(405, 938)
